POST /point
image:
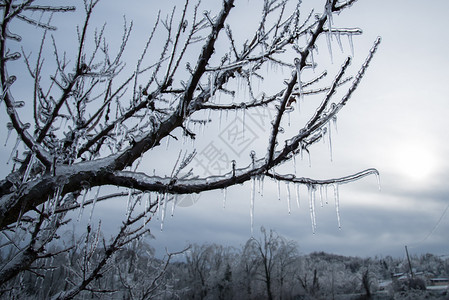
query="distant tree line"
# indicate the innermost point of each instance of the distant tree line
(268, 267)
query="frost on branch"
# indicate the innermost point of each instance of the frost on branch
(93, 119)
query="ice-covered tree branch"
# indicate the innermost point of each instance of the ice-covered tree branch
(93, 118)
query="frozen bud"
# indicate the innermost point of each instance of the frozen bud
(13, 56)
(252, 154)
(18, 104)
(11, 79)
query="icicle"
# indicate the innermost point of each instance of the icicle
(325, 194)
(10, 127)
(243, 120)
(29, 167)
(297, 193)
(311, 190)
(167, 143)
(128, 203)
(294, 163)
(82, 205)
(330, 140)
(312, 60)
(93, 203)
(147, 207)
(298, 75)
(334, 121)
(253, 196)
(14, 149)
(278, 182)
(56, 199)
(175, 201)
(203, 126)
(287, 185)
(351, 44)
(328, 9)
(310, 158)
(219, 120)
(164, 209)
(212, 84)
(225, 191)
(337, 204)
(328, 12)
(329, 46)
(321, 196)
(378, 181)
(158, 207)
(338, 36)
(261, 185)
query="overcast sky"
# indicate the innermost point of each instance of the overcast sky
(396, 122)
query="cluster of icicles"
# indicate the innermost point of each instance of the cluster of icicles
(311, 188)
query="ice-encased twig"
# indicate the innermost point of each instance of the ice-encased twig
(310, 181)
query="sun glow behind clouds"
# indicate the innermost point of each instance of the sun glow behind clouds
(415, 160)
